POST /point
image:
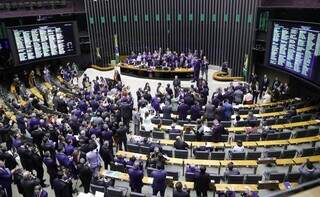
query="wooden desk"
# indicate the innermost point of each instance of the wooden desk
(306, 109)
(11, 116)
(36, 92)
(168, 127)
(148, 181)
(301, 160)
(284, 162)
(148, 72)
(304, 140)
(240, 163)
(48, 85)
(273, 143)
(283, 187)
(203, 162)
(177, 161)
(236, 129)
(264, 115)
(267, 104)
(301, 124)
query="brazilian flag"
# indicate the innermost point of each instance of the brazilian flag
(245, 67)
(116, 51)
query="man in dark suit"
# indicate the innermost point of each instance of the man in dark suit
(195, 111)
(196, 69)
(121, 133)
(159, 181)
(209, 111)
(51, 166)
(183, 110)
(180, 144)
(5, 179)
(85, 175)
(61, 186)
(217, 131)
(176, 85)
(179, 192)
(167, 110)
(135, 178)
(28, 183)
(201, 182)
(126, 112)
(264, 85)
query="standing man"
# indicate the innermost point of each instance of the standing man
(159, 181)
(136, 120)
(204, 68)
(196, 69)
(85, 175)
(201, 182)
(264, 85)
(122, 136)
(94, 159)
(135, 178)
(5, 179)
(176, 85)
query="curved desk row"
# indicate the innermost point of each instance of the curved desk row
(155, 73)
(108, 68)
(247, 144)
(287, 101)
(243, 129)
(222, 76)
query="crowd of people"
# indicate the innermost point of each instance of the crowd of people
(94, 121)
(168, 59)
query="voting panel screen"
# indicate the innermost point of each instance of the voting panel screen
(296, 48)
(41, 42)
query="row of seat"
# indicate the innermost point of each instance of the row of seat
(242, 123)
(14, 5)
(218, 155)
(237, 137)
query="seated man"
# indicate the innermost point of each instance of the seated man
(238, 148)
(173, 129)
(120, 160)
(156, 158)
(251, 116)
(231, 170)
(308, 172)
(180, 144)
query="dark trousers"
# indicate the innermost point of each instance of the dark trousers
(202, 193)
(124, 142)
(196, 73)
(155, 192)
(8, 191)
(86, 185)
(137, 190)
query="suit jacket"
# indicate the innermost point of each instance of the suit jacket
(159, 179)
(183, 111)
(135, 177)
(180, 193)
(201, 182)
(167, 110)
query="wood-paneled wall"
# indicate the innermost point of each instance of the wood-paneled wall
(224, 29)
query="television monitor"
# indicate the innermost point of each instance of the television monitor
(295, 48)
(39, 42)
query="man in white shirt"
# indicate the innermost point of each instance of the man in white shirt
(238, 148)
